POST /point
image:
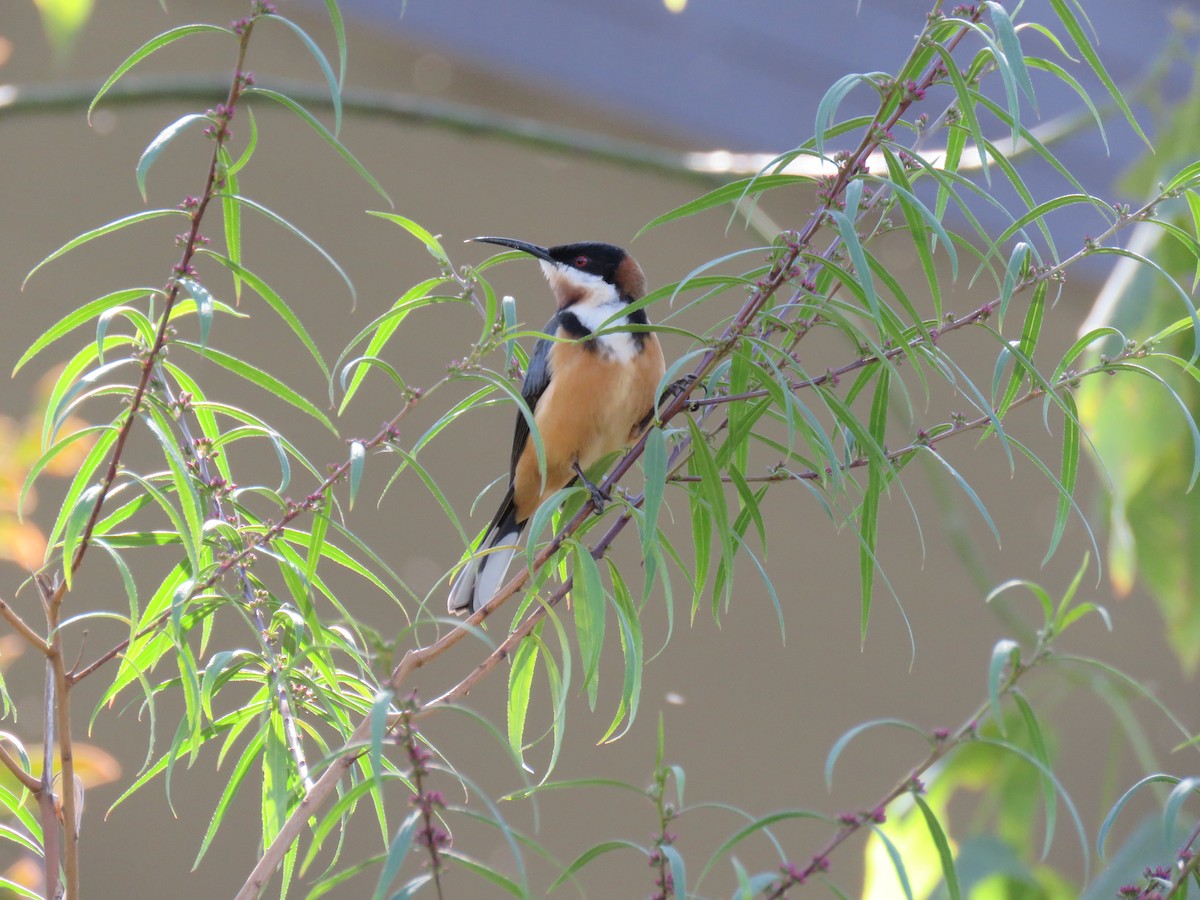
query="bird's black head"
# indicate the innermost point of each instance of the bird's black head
(570, 267)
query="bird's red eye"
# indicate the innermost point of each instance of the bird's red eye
(580, 262)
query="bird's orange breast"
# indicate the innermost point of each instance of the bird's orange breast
(594, 406)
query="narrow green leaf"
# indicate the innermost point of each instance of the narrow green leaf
(702, 528)
(232, 168)
(435, 490)
(1011, 45)
(1089, 53)
(432, 244)
(1039, 212)
(127, 579)
(281, 221)
(277, 303)
(1067, 78)
(144, 327)
(335, 817)
(1186, 789)
(237, 778)
(19, 889)
(590, 602)
(397, 851)
(1030, 333)
(943, 847)
(326, 135)
(74, 530)
(1036, 589)
(274, 798)
(70, 392)
(1080, 831)
(632, 651)
(487, 872)
(520, 686)
(727, 193)
(751, 504)
(966, 106)
(877, 480)
(316, 541)
(897, 859)
(1038, 743)
(756, 825)
(827, 108)
(1111, 817)
(155, 43)
(712, 491)
(654, 464)
(49, 456)
(956, 142)
(1013, 274)
(967, 489)
(1183, 294)
(159, 144)
(508, 309)
(920, 218)
(335, 89)
(678, 869)
(1068, 472)
(107, 228)
(1006, 652)
(80, 316)
(858, 256)
(262, 379)
(592, 853)
(560, 684)
(204, 306)
(190, 503)
(836, 751)
(80, 482)
(231, 217)
(1082, 344)
(381, 330)
(380, 706)
(358, 457)
(339, 33)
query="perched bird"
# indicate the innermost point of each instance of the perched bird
(591, 394)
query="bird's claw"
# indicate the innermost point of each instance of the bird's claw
(599, 496)
(677, 387)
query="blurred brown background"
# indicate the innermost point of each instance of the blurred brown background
(750, 718)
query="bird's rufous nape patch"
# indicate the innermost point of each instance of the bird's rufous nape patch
(631, 280)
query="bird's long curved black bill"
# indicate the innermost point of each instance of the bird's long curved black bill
(524, 246)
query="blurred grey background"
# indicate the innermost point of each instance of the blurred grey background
(749, 716)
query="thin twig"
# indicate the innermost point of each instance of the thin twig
(31, 637)
(51, 853)
(27, 779)
(68, 798)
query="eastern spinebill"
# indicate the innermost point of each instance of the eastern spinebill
(591, 394)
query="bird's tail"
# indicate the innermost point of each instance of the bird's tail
(484, 573)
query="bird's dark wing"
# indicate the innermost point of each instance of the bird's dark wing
(537, 379)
